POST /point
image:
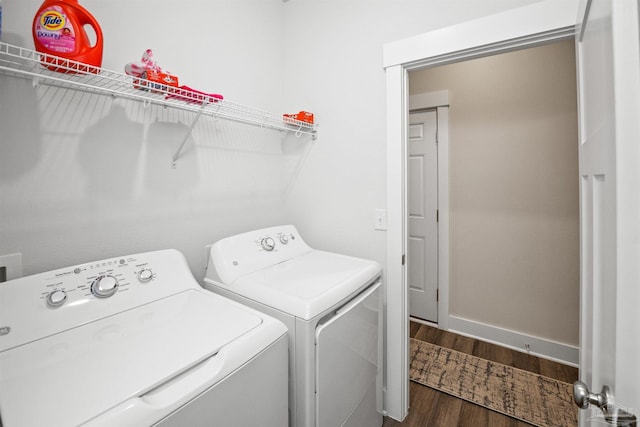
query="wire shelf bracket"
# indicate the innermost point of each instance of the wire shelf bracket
(176, 155)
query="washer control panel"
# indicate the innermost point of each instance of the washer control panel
(102, 280)
(36, 306)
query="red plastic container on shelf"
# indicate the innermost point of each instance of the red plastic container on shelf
(59, 30)
(302, 116)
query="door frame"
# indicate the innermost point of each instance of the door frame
(439, 100)
(528, 26)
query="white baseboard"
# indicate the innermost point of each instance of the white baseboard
(547, 349)
(423, 322)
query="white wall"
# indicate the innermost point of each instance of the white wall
(83, 177)
(333, 66)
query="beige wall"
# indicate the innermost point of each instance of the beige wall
(514, 226)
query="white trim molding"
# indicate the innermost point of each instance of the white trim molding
(443, 216)
(421, 101)
(396, 388)
(544, 348)
(536, 23)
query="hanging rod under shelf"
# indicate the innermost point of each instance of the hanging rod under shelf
(22, 62)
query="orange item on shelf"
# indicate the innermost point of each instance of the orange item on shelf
(59, 30)
(158, 80)
(302, 116)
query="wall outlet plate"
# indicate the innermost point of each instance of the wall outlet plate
(10, 267)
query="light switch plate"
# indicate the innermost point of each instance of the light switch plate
(380, 219)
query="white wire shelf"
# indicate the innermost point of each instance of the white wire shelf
(56, 71)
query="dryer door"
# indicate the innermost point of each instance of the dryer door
(349, 363)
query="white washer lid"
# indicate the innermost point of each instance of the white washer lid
(69, 378)
(307, 285)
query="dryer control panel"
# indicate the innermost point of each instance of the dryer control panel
(57, 300)
(245, 253)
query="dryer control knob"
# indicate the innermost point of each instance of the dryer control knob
(104, 286)
(56, 298)
(268, 244)
(284, 239)
(145, 275)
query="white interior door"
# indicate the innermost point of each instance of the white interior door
(422, 177)
(609, 84)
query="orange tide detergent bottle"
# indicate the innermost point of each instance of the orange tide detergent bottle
(59, 30)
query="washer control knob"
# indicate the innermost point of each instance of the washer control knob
(104, 286)
(284, 239)
(145, 275)
(56, 298)
(268, 244)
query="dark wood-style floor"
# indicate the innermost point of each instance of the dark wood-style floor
(432, 408)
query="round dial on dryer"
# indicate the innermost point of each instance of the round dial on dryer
(56, 298)
(104, 286)
(284, 239)
(145, 275)
(268, 244)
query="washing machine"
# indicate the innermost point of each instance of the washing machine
(136, 341)
(332, 307)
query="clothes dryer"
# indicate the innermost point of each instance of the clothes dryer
(332, 306)
(135, 341)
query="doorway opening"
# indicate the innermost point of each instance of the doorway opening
(536, 24)
(511, 222)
